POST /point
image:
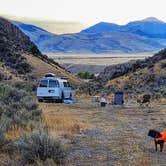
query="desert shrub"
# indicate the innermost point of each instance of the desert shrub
(17, 107)
(86, 75)
(3, 140)
(2, 76)
(14, 61)
(163, 65)
(35, 50)
(23, 67)
(29, 87)
(40, 146)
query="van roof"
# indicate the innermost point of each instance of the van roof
(54, 78)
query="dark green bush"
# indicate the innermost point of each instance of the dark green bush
(35, 50)
(86, 75)
(163, 65)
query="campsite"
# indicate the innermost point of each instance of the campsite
(114, 135)
(50, 116)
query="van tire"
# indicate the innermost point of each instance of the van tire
(40, 100)
(62, 98)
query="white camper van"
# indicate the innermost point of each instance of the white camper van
(53, 88)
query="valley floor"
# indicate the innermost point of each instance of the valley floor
(108, 136)
(94, 63)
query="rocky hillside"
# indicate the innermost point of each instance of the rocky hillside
(135, 77)
(20, 56)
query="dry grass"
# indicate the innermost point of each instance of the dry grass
(15, 132)
(71, 122)
(59, 120)
(41, 67)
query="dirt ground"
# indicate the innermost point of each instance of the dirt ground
(111, 136)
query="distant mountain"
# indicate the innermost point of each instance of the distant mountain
(35, 33)
(140, 36)
(150, 27)
(102, 27)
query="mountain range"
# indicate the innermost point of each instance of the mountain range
(146, 35)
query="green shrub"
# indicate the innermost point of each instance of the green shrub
(86, 75)
(35, 50)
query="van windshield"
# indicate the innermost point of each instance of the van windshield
(43, 83)
(53, 83)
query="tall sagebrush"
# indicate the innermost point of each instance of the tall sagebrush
(40, 146)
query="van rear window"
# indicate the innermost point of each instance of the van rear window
(53, 83)
(43, 83)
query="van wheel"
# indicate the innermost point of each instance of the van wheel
(62, 98)
(70, 96)
(40, 100)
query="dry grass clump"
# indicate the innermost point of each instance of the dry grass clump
(60, 119)
(15, 132)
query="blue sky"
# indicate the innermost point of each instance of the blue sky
(86, 11)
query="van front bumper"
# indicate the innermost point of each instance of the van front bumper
(48, 98)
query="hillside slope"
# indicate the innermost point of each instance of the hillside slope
(135, 77)
(18, 54)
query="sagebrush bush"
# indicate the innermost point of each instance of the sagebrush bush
(17, 107)
(14, 60)
(40, 146)
(30, 87)
(163, 65)
(2, 76)
(2, 137)
(86, 75)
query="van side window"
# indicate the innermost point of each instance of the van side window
(52, 83)
(43, 83)
(65, 84)
(68, 84)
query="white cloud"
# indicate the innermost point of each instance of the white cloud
(119, 11)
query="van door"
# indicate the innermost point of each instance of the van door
(67, 89)
(54, 88)
(42, 89)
